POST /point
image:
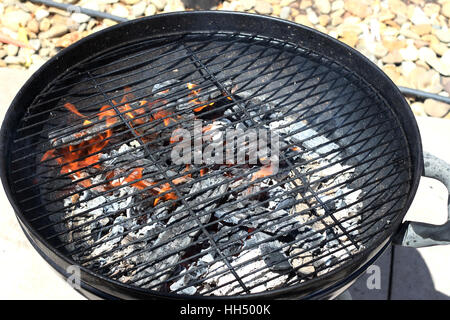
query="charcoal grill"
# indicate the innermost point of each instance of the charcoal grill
(86, 160)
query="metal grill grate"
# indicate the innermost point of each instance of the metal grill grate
(224, 229)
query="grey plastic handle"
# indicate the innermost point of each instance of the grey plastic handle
(418, 234)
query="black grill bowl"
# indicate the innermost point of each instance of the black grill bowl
(342, 95)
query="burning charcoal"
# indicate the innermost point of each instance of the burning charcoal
(95, 202)
(313, 238)
(231, 214)
(113, 205)
(69, 136)
(232, 242)
(274, 257)
(125, 222)
(286, 204)
(206, 259)
(163, 86)
(302, 262)
(249, 266)
(169, 242)
(310, 138)
(147, 231)
(115, 237)
(332, 240)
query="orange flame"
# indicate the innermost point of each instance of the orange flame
(196, 100)
(263, 172)
(168, 196)
(72, 108)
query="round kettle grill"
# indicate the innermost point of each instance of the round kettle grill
(86, 160)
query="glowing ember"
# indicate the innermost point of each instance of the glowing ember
(263, 172)
(165, 187)
(72, 108)
(195, 93)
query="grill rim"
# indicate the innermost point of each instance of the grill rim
(206, 21)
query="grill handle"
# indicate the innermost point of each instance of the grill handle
(418, 234)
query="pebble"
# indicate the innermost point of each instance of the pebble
(14, 60)
(323, 6)
(150, 10)
(33, 26)
(285, 3)
(44, 52)
(350, 38)
(418, 109)
(68, 39)
(359, 8)
(393, 57)
(15, 19)
(304, 4)
(139, 8)
(3, 53)
(285, 12)
(35, 44)
(431, 9)
(421, 29)
(119, 10)
(324, 19)
(439, 48)
(129, 2)
(312, 16)
(263, 7)
(11, 50)
(441, 65)
(45, 25)
(446, 9)
(407, 67)
(41, 14)
(445, 83)
(379, 50)
(80, 17)
(419, 17)
(53, 32)
(174, 5)
(159, 4)
(303, 19)
(443, 35)
(410, 53)
(436, 108)
(337, 5)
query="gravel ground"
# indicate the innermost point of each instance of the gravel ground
(409, 40)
